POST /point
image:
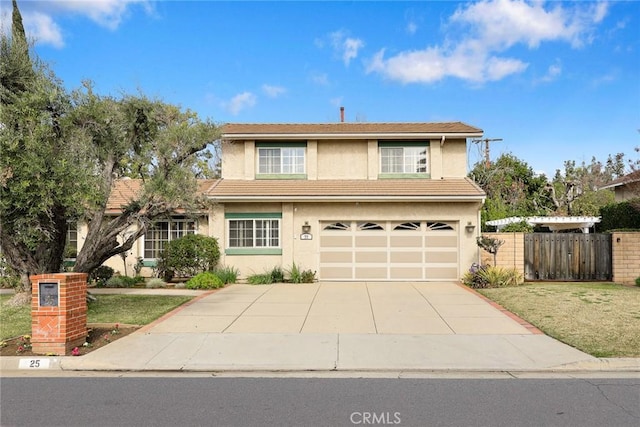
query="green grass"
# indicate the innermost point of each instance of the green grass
(602, 319)
(124, 309)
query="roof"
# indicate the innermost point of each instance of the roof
(623, 180)
(125, 190)
(461, 189)
(231, 131)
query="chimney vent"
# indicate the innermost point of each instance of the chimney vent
(341, 114)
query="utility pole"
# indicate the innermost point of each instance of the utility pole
(487, 159)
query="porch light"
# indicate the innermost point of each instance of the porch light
(306, 228)
(469, 227)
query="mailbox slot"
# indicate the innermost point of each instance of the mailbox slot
(49, 294)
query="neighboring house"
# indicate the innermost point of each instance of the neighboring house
(351, 201)
(626, 187)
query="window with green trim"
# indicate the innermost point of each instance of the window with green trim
(254, 233)
(412, 158)
(282, 159)
(162, 232)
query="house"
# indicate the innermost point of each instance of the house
(351, 201)
(626, 187)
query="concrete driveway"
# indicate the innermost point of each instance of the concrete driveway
(347, 308)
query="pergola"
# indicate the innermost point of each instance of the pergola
(554, 223)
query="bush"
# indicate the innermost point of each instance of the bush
(227, 274)
(277, 275)
(486, 276)
(188, 256)
(155, 283)
(260, 279)
(518, 227)
(296, 275)
(121, 282)
(206, 280)
(637, 281)
(99, 276)
(623, 215)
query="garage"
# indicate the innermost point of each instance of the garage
(389, 250)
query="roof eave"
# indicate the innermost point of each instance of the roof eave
(342, 199)
(360, 135)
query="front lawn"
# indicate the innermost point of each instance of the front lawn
(123, 309)
(601, 319)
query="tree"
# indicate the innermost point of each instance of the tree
(60, 156)
(512, 188)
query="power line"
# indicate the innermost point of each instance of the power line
(487, 159)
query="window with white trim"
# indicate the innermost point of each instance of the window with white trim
(254, 233)
(162, 232)
(71, 245)
(409, 159)
(281, 160)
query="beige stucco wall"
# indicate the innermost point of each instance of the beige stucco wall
(342, 160)
(454, 158)
(233, 162)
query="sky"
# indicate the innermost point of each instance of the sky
(554, 80)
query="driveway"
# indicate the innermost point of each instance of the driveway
(346, 308)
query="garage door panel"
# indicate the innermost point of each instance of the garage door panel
(371, 257)
(411, 257)
(433, 272)
(336, 257)
(406, 241)
(371, 241)
(441, 242)
(440, 257)
(331, 272)
(405, 273)
(371, 273)
(336, 241)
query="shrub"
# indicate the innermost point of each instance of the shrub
(120, 282)
(277, 275)
(623, 215)
(99, 276)
(206, 280)
(486, 276)
(518, 227)
(187, 256)
(637, 281)
(155, 283)
(296, 275)
(260, 279)
(227, 274)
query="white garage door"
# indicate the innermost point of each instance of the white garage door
(389, 250)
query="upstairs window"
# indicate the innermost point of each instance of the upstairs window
(408, 158)
(281, 159)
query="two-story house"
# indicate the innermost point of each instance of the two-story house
(351, 201)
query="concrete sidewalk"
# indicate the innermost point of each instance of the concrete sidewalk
(339, 326)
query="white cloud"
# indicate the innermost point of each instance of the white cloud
(553, 72)
(273, 91)
(490, 28)
(345, 47)
(319, 78)
(412, 27)
(240, 102)
(39, 18)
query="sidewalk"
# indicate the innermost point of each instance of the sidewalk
(338, 327)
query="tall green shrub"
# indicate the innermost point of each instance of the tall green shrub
(188, 256)
(620, 216)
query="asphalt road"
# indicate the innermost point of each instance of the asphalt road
(212, 401)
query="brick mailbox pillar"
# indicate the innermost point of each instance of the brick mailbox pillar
(58, 312)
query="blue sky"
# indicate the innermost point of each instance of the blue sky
(555, 80)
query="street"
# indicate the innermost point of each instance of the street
(212, 401)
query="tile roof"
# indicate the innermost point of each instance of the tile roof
(382, 189)
(230, 130)
(125, 190)
(624, 180)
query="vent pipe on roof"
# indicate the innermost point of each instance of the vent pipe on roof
(341, 114)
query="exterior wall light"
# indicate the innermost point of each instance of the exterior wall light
(306, 228)
(469, 227)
